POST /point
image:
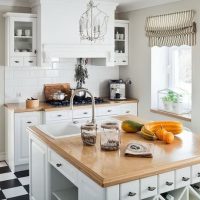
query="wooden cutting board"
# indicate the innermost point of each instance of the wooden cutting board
(50, 89)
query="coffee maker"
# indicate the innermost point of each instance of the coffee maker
(117, 90)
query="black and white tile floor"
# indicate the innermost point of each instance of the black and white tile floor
(13, 186)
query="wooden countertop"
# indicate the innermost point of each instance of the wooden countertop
(111, 168)
(21, 107)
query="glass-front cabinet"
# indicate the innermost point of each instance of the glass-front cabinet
(21, 36)
(121, 42)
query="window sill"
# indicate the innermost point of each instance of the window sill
(185, 117)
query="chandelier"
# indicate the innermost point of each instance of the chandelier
(93, 23)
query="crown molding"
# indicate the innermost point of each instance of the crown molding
(20, 3)
(141, 4)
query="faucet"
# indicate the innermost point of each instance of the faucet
(93, 103)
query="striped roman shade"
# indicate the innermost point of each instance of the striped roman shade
(173, 29)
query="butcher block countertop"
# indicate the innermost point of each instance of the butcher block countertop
(21, 107)
(112, 168)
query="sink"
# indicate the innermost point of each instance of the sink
(60, 130)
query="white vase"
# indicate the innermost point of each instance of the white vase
(167, 106)
(177, 108)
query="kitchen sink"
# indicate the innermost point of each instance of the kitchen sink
(60, 130)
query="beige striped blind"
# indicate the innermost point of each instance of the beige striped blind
(173, 29)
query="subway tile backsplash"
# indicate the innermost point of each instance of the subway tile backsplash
(23, 83)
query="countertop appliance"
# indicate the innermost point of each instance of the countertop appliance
(117, 90)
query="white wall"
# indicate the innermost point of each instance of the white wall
(23, 83)
(139, 69)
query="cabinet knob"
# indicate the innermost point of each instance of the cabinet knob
(30, 61)
(128, 111)
(59, 115)
(29, 122)
(85, 113)
(131, 194)
(198, 174)
(185, 179)
(169, 183)
(58, 165)
(16, 61)
(124, 61)
(35, 51)
(109, 111)
(151, 188)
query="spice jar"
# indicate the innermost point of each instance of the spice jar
(89, 134)
(110, 137)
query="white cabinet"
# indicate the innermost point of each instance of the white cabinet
(183, 177)
(22, 121)
(129, 109)
(21, 39)
(121, 42)
(195, 173)
(38, 170)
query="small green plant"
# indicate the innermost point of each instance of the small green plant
(172, 97)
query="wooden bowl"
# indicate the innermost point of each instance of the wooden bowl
(30, 103)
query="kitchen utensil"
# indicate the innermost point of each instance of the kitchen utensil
(59, 96)
(50, 89)
(19, 32)
(27, 32)
(32, 103)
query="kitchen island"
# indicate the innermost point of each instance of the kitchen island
(65, 169)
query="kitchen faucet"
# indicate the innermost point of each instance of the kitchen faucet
(93, 103)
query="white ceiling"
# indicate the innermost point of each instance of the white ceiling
(128, 5)
(124, 5)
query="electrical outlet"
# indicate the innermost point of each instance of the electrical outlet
(18, 94)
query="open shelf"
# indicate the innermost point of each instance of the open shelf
(67, 194)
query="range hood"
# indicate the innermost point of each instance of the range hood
(101, 53)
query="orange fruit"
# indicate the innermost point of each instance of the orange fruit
(168, 137)
(160, 133)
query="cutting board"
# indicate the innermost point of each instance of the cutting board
(50, 89)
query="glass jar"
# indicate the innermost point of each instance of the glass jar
(89, 134)
(110, 137)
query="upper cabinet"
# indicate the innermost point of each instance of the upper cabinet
(121, 42)
(21, 37)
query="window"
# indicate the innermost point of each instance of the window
(171, 69)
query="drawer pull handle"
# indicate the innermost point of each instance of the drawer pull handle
(59, 115)
(16, 61)
(198, 174)
(58, 165)
(151, 188)
(85, 113)
(30, 61)
(169, 183)
(196, 186)
(124, 61)
(29, 122)
(109, 111)
(185, 179)
(128, 111)
(75, 122)
(131, 194)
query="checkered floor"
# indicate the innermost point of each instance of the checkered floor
(13, 186)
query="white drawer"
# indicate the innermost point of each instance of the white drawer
(29, 61)
(195, 174)
(129, 191)
(182, 177)
(148, 187)
(16, 61)
(82, 113)
(166, 182)
(53, 116)
(108, 111)
(64, 167)
(129, 109)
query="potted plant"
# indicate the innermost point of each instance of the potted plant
(81, 74)
(172, 102)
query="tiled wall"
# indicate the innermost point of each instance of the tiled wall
(23, 83)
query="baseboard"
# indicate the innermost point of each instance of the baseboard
(2, 156)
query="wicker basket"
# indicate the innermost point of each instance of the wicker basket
(32, 103)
